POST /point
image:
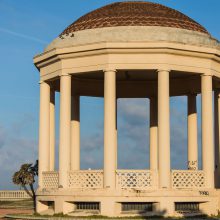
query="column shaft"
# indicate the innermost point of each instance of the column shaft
(192, 133)
(75, 133)
(164, 129)
(52, 130)
(218, 142)
(65, 118)
(217, 138)
(153, 134)
(109, 129)
(44, 131)
(207, 130)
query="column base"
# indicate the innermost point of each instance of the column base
(124, 203)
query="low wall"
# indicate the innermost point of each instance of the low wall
(6, 195)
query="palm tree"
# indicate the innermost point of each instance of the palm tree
(26, 177)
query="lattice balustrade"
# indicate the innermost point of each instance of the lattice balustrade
(92, 179)
(50, 180)
(138, 179)
(188, 179)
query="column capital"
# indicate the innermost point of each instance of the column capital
(206, 74)
(164, 70)
(64, 74)
(109, 70)
(52, 89)
(41, 82)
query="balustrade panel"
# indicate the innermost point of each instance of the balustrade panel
(188, 179)
(13, 194)
(81, 179)
(50, 180)
(127, 179)
(138, 179)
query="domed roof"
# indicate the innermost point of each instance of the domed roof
(136, 13)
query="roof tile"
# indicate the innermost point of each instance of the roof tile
(134, 14)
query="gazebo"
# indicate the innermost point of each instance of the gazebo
(130, 50)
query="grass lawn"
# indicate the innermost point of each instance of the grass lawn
(19, 204)
(59, 216)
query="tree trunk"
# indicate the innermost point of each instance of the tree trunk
(34, 196)
(27, 191)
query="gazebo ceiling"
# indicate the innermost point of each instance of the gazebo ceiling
(132, 83)
(138, 13)
(133, 75)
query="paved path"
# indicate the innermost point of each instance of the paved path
(4, 212)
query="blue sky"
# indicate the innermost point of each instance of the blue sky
(26, 27)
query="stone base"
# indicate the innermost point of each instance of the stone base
(110, 202)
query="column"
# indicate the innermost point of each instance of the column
(52, 130)
(217, 138)
(164, 128)
(65, 118)
(192, 133)
(116, 133)
(44, 130)
(153, 134)
(109, 128)
(75, 133)
(207, 130)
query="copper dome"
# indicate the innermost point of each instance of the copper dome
(134, 14)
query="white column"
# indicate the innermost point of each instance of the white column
(109, 128)
(217, 138)
(65, 129)
(153, 134)
(207, 130)
(75, 133)
(52, 130)
(164, 128)
(192, 133)
(44, 130)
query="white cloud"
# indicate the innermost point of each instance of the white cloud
(15, 149)
(24, 36)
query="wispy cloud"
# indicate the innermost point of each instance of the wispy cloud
(15, 149)
(133, 141)
(24, 36)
